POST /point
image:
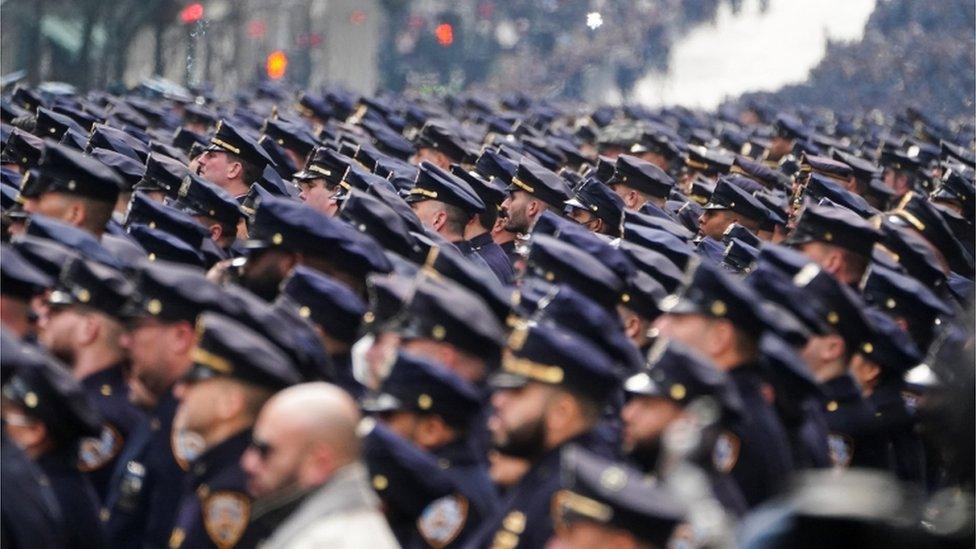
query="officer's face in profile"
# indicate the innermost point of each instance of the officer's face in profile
(516, 207)
(201, 403)
(319, 196)
(644, 420)
(218, 167)
(713, 223)
(692, 330)
(433, 156)
(153, 347)
(59, 330)
(264, 271)
(518, 424)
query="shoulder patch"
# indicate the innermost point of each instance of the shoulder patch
(442, 520)
(725, 454)
(187, 446)
(225, 516)
(96, 452)
(841, 449)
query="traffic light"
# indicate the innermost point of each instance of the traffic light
(191, 13)
(444, 34)
(276, 64)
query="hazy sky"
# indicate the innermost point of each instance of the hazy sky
(753, 51)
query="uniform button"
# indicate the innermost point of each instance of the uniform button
(832, 406)
(106, 390)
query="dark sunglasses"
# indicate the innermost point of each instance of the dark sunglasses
(264, 449)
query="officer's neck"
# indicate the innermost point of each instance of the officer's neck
(225, 429)
(94, 359)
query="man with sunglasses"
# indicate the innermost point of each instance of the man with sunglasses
(304, 468)
(235, 371)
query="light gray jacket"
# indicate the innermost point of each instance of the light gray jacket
(342, 513)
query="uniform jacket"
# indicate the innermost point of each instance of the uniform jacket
(754, 450)
(215, 507)
(492, 254)
(146, 485)
(856, 439)
(99, 456)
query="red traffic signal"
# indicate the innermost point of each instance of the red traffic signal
(444, 34)
(191, 13)
(276, 64)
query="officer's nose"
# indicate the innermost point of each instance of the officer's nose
(179, 390)
(125, 340)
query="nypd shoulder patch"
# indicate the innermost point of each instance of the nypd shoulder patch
(442, 520)
(96, 452)
(841, 449)
(225, 517)
(725, 454)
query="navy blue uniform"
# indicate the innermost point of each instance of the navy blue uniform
(754, 450)
(808, 436)
(525, 518)
(29, 512)
(146, 486)
(897, 421)
(494, 256)
(470, 474)
(344, 376)
(110, 394)
(855, 437)
(76, 498)
(215, 508)
(655, 210)
(509, 249)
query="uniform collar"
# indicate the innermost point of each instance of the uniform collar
(841, 387)
(220, 457)
(482, 239)
(458, 452)
(110, 377)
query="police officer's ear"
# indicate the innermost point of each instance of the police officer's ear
(75, 214)
(632, 323)
(182, 338)
(439, 219)
(235, 169)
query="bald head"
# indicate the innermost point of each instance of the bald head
(317, 412)
(303, 435)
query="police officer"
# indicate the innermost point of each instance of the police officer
(478, 233)
(675, 377)
(549, 392)
(232, 160)
(337, 314)
(879, 369)
(421, 501)
(20, 282)
(83, 326)
(721, 317)
(837, 239)
(643, 186)
(234, 372)
(433, 408)
(855, 437)
(602, 503)
(46, 413)
(145, 487)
